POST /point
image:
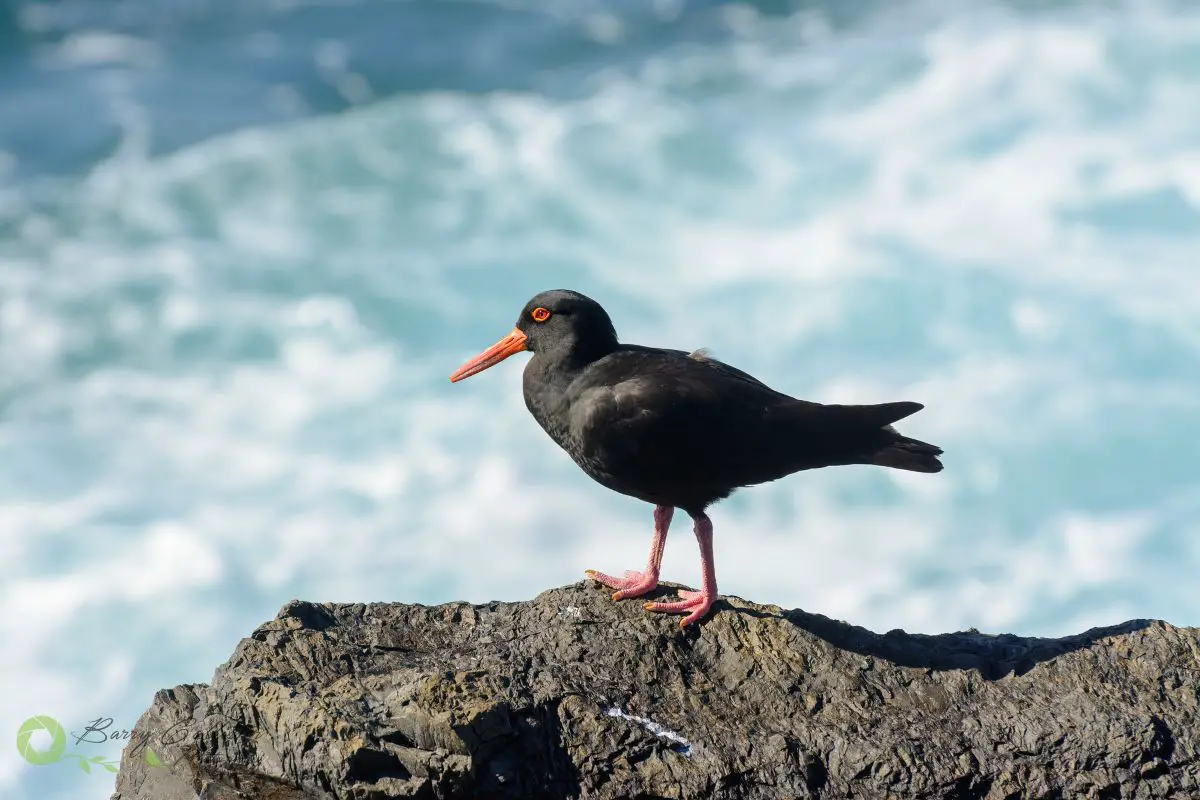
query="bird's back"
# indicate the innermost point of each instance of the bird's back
(686, 430)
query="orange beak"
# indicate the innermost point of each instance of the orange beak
(513, 343)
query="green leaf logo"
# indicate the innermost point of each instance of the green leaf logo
(58, 744)
(152, 758)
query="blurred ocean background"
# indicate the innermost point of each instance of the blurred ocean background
(243, 244)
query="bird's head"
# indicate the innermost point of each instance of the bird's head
(559, 322)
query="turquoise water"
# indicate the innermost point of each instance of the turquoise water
(242, 245)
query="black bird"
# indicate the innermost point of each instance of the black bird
(677, 429)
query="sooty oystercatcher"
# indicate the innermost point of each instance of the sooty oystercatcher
(677, 429)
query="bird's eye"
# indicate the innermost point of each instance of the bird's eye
(540, 314)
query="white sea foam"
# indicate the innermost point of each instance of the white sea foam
(90, 48)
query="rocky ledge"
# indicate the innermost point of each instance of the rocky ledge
(572, 695)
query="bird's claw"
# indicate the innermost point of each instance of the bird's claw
(694, 604)
(634, 584)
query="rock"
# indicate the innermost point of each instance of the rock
(573, 695)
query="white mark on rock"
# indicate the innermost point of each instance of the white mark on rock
(571, 611)
(684, 748)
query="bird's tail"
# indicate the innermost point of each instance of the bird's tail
(905, 453)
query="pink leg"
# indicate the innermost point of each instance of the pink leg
(636, 584)
(696, 604)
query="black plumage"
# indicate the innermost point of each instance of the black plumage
(678, 429)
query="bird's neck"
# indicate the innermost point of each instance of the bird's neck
(547, 382)
(569, 357)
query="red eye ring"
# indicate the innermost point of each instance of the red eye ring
(540, 314)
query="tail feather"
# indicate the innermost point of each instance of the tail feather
(876, 415)
(908, 454)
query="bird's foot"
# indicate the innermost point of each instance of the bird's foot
(694, 604)
(634, 584)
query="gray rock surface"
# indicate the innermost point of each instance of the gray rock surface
(573, 695)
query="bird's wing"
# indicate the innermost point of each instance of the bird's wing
(645, 384)
(667, 420)
(706, 358)
(818, 415)
(663, 417)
